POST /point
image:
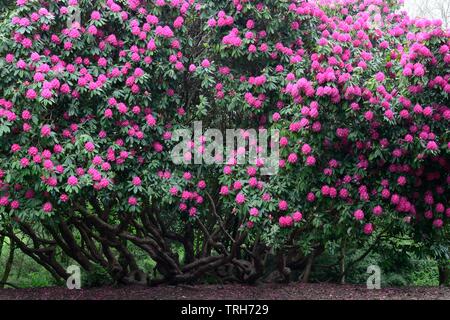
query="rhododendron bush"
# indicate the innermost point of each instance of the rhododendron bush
(91, 93)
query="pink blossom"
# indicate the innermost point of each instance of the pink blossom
(285, 221)
(72, 181)
(89, 146)
(240, 198)
(438, 223)
(224, 190)
(15, 204)
(283, 205)
(206, 63)
(45, 131)
(292, 158)
(359, 214)
(4, 201)
(132, 201)
(254, 212)
(297, 216)
(201, 184)
(137, 181)
(368, 229)
(432, 145)
(95, 15)
(306, 149)
(47, 207)
(377, 211)
(15, 148)
(310, 161)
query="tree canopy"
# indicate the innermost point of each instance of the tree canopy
(92, 93)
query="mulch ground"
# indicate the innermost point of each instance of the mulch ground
(294, 291)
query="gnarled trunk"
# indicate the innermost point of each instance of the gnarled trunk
(8, 265)
(444, 275)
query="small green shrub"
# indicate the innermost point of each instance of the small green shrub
(97, 277)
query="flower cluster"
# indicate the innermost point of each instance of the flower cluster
(359, 92)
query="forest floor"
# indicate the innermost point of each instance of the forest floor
(294, 291)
